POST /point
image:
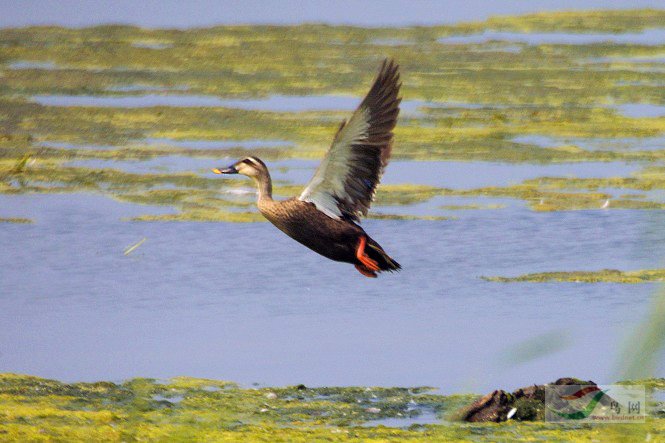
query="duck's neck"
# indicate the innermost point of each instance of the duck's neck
(264, 184)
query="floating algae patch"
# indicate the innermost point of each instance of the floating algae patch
(66, 145)
(17, 220)
(216, 144)
(647, 37)
(161, 164)
(185, 409)
(203, 215)
(604, 276)
(465, 104)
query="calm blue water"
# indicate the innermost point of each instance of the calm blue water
(171, 13)
(244, 302)
(641, 110)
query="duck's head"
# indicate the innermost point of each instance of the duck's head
(250, 166)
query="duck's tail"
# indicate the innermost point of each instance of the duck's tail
(382, 259)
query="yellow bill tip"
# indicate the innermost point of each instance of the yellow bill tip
(216, 171)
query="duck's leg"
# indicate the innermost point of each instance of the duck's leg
(370, 264)
(365, 271)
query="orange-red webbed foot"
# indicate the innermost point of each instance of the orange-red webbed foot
(366, 272)
(370, 264)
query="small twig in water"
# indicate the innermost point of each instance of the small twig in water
(131, 248)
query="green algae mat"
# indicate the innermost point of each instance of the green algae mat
(189, 409)
(125, 93)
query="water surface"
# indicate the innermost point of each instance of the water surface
(244, 302)
(595, 144)
(444, 174)
(641, 110)
(466, 175)
(273, 103)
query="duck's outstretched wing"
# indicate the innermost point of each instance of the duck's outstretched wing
(344, 184)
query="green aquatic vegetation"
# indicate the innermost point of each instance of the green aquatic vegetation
(189, 409)
(475, 99)
(15, 220)
(405, 194)
(575, 21)
(604, 276)
(648, 383)
(644, 181)
(204, 215)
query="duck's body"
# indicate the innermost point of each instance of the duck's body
(324, 216)
(335, 239)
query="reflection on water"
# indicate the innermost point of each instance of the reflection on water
(244, 302)
(647, 37)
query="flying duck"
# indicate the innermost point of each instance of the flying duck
(325, 216)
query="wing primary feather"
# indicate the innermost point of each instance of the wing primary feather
(345, 183)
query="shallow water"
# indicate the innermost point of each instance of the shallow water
(464, 175)
(146, 88)
(425, 417)
(647, 37)
(445, 174)
(243, 302)
(641, 110)
(659, 60)
(274, 103)
(27, 64)
(152, 45)
(596, 144)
